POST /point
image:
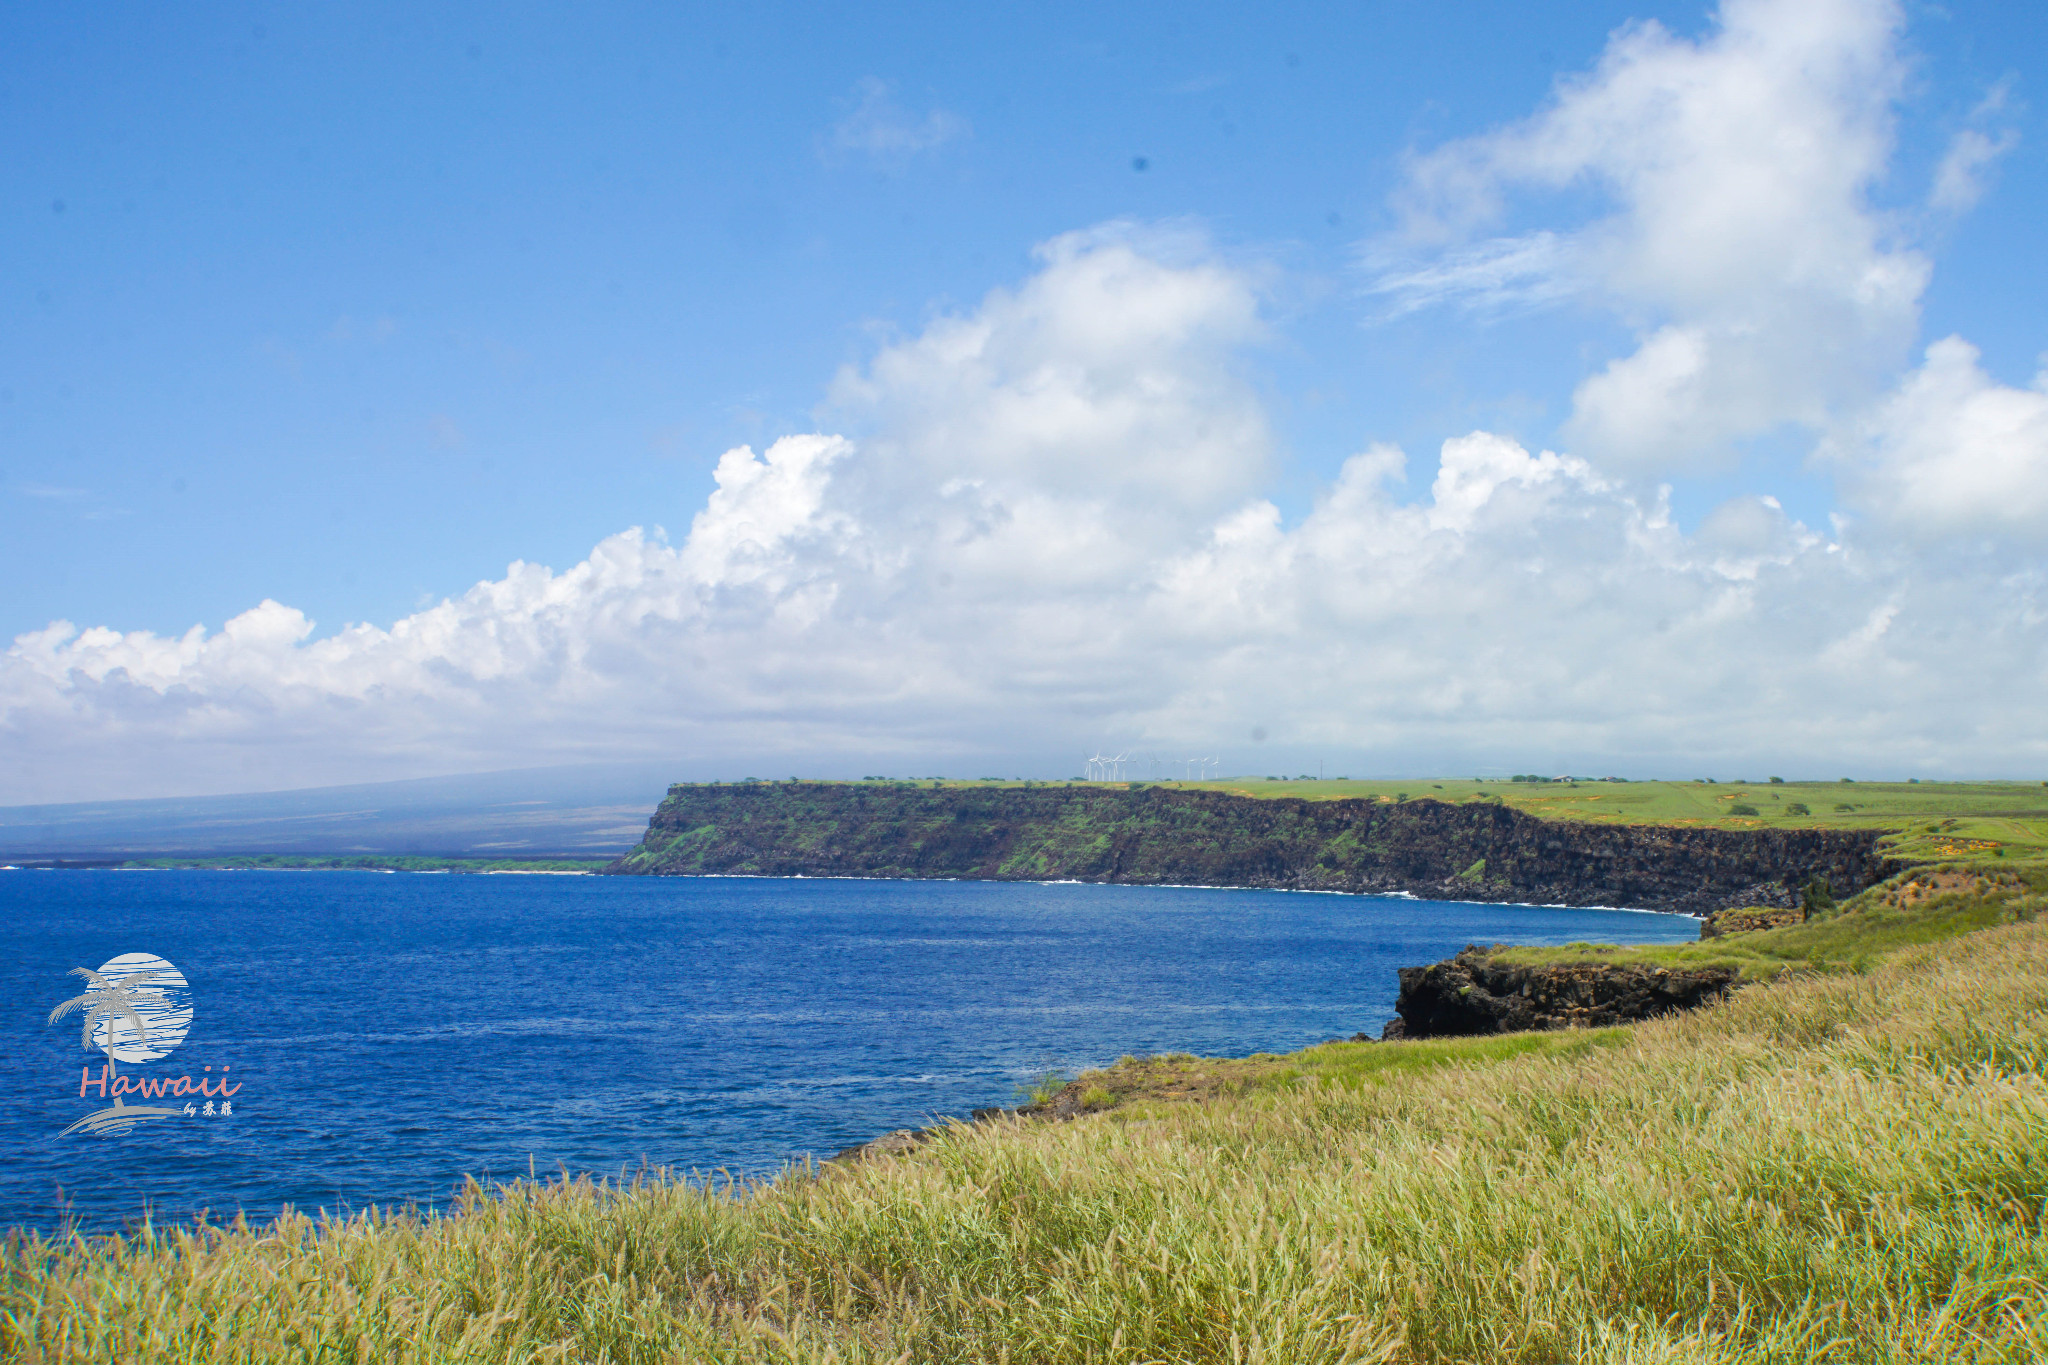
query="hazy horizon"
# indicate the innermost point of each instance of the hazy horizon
(581, 810)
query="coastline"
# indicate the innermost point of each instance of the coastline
(1477, 852)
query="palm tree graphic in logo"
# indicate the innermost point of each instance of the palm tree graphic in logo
(136, 1009)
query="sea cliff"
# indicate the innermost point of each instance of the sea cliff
(1473, 851)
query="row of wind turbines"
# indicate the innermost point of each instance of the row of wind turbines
(1111, 767)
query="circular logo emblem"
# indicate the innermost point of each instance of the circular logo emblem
(143, 1007)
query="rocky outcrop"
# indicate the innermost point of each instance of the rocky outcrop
(1475, 993)
(1474, 851)
(888, 1144)
(1748, 920)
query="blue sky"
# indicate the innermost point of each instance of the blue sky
(349, 310)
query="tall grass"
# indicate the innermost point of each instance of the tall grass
(1847, 1168)
(1878, 923)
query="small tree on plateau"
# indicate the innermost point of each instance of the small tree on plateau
(1816, 900)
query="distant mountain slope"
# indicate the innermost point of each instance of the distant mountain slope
(591, 811)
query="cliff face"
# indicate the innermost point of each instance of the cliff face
(1471, 993)
(1156, 835)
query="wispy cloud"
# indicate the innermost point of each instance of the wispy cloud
(877, 126)
(50, 491)
(1502, 274)
(1965, 171)
(346, 329)
(1959, 182)
(446, 433)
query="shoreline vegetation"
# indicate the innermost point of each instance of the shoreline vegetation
(1845, 1160)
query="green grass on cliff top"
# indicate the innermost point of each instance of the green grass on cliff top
(1926, 821)
(1914, 909)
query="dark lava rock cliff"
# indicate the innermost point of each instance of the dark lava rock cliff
(1155, 835)
(1474, 993)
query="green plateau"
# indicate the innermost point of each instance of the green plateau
(1923, 821)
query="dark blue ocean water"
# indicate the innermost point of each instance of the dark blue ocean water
(392, 1032)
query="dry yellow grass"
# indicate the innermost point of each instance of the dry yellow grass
(1849, 1168)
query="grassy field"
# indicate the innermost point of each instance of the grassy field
(1845, 1167)
(1929, 821)
(1924, 906)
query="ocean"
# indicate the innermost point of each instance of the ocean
(360, 1038)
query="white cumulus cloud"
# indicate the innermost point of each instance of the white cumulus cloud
(1739, 239)
(1952, 451)
(1046, 529)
